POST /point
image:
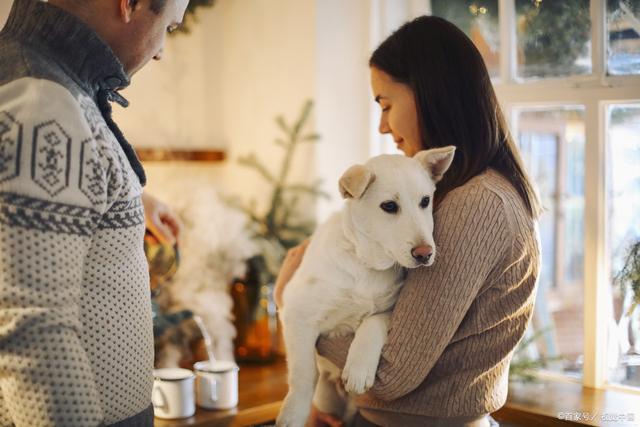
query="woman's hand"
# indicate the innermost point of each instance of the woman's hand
(160, 220)
(289, 266)
(322, 419)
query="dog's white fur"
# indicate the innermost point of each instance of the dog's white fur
(351, 274)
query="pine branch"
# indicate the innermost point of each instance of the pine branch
(249, 211)
(287, 210)
(252, 162)
(284, 204)
(283, 125)
(276, 199)
(306, 110)
(313, 137)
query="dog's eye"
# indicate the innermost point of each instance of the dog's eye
(389, 207)
(424, 202)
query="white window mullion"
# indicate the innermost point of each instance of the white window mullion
(595, 282)
(598, 10)
(508, 42)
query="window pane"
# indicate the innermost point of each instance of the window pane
(554, 38)
(623, 25)
(479, 20)
(623, 231)
(551, 141)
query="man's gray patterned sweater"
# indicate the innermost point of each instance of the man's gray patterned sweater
(76, 340)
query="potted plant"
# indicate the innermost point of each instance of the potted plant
(281, 226)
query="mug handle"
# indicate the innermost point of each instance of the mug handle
(158, 399)
(213, 387)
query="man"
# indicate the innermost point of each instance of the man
(76, 341)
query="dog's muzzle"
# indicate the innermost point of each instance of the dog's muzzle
(422, 254)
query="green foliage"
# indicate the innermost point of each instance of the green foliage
(522, 366)
(555, 34)
(552, 34)
(629, 275)
(282, 226)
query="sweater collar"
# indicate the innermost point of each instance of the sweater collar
(70, 42)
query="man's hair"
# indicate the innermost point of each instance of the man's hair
(158, 5)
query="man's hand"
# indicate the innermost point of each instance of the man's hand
(289, 266)
(160, 220)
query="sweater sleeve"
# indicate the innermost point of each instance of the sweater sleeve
(53, 186)
(471, 235)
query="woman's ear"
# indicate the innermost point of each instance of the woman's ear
(436, 160)
(355, 181)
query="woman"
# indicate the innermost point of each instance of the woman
(456, 323)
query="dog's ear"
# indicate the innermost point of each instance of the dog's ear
(436, 160)
(355, 181)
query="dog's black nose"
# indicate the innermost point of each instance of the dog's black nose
(422, 254)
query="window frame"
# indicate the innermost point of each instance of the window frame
(596, 92)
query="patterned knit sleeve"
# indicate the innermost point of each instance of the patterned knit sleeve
(472, 236)
(53, 185)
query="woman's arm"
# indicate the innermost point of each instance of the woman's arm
(472, 235)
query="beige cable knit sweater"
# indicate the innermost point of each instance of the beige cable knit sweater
(456, 323)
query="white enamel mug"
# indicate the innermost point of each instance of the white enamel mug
(216, 384)
(172, 394)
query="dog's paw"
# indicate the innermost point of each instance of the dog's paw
(358, 378)
(292, 413)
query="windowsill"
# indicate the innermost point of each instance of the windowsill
(551, 403)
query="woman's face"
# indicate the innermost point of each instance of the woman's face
(399, 113)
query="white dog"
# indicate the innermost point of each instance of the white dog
(350, 275)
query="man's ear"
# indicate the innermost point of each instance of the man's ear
(127, 7)
(355, 181)
(436, 161)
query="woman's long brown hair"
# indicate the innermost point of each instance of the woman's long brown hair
(456, 102)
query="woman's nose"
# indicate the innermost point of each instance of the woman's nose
(384, 126)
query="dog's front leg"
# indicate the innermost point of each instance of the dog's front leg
(359, 372)
(300, 342)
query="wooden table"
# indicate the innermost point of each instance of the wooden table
(261, 390)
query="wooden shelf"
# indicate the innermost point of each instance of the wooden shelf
(171, 155)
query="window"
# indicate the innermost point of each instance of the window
(552, 142)
(567, 74)
(623, 230)
(553, 38)
(623, 27)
